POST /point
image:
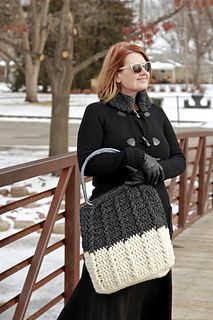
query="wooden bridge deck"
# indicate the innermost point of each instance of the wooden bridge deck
(193, 272)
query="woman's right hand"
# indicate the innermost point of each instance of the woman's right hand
(135, 178)
(153, 170)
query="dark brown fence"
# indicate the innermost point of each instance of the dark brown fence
(190, 194)
(67, 189)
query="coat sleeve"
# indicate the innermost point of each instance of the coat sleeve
(176, 163)
(91, 138)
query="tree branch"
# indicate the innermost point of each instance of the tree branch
(19, 66)
(152, 24)
(167, 16)
(209, 15)
(195, 30)
(206, 46)
(49, 67)
(25, 34)
(36, 18)
(89, 61)
(43, 27)
(9, 43)
(66, 25)
(65, 41)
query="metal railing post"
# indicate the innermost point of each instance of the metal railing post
(201, 180)
(72, 233)
(183, 200)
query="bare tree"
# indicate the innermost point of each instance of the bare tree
(27, 36)
(201, 37)
(192, 33)
(61, 72)
(149, 25)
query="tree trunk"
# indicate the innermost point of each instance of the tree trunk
(7, 71)
(31, 81)
(45, 88)
(60, 121)
(197, 72)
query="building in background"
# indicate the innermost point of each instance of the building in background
(168, 67)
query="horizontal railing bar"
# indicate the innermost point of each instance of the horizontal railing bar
(194, 134)
(50, 164)
(48, 278)
(37, 314)
(26, 231)
(174, 198)
(27, 200)
(21, 265)
(190, 163)
(5, 306)
(35, 168)
(15, 299)
(192, 148)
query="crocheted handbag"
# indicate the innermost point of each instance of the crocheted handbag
(125, 237)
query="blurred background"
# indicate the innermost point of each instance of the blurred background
(50, 49)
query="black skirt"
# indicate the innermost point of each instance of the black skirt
(149, 300)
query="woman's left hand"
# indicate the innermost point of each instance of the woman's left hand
(153, 170)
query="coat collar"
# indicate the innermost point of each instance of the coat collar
(125, 103)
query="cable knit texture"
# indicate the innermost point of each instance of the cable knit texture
(125, 238)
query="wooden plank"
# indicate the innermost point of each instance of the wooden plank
(192, 274)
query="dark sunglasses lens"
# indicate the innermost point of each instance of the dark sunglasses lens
(137, 68)
(147, 66)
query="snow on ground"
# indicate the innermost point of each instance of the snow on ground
(13, 285)
(13, 104)
(10, 156)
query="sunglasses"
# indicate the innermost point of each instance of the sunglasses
(137, 67)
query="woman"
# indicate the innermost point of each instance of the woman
(126, 119)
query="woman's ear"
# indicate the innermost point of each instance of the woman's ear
(118, 79)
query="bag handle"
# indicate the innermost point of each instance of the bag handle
(93, 154)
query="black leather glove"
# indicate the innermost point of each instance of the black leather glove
(135, 178)
(134, 157)
(153, 170)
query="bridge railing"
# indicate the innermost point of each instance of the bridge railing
(190, 194)
(67, 189)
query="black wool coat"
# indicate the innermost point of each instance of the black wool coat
(148, 130)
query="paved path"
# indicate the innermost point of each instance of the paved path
(193, 272)
(32, 133)
(27, 133)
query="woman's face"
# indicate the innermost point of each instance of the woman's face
(131, 83)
